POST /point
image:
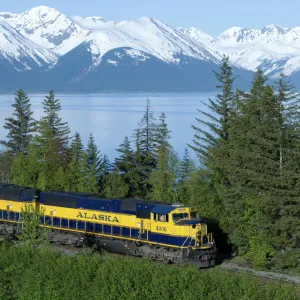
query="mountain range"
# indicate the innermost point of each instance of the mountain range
(43, 48)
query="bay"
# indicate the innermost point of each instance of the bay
(110, 117)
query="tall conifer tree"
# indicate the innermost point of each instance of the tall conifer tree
(76, 168)
(94, 158)
(212, 133)
(21, 126)
(52, 142)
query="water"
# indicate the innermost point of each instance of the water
(110, 117)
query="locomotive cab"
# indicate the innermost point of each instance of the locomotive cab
(183, 222)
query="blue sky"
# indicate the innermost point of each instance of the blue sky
(211, 16)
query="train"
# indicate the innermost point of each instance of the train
(172, 233)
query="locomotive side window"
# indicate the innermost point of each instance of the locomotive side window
(163, 218)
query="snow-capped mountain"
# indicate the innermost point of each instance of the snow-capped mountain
(78, 52)
(198, 35)
(47, 27)
(20, 53)
(274, 49)
(150, 36)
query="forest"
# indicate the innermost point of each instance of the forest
(246, 179)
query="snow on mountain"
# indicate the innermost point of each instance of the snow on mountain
(89, 49)
(20, 52)
(150, 36)
(48, 28)
(93, 23)
(273, 48)
(198, 35)
(60, 34)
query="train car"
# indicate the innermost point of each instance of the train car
(161, 231)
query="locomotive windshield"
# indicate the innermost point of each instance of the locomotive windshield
(177, 217)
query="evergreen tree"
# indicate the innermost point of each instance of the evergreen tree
(105, 169)
(213, 133)
(187, 166)
(93, 165)
(210, 143)
(21, 126)
(126, 166)
(162, 136)
(76, 168)
(51, 127)
(125, 161)
(144, 156)
(146, 132)
(253, 168)
(115, 186)
(288, 224)
(52, 142)
(163, 178)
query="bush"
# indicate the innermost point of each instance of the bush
(260, 253)
(287, 260)
(29, 273)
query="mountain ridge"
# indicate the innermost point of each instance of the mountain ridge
(55, 41)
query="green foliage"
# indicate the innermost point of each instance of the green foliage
(115, 186)
(211, 134)
(25, 169)
(74, 171)
(41, 273)
(146, 146)
(125, 165)
(32, 233)
(187, 166)
(94, 161)
(6, 160)
(52, 143)
(260, 252)
(163, 178)
(162, 133)
(146, 134)
(21, 126)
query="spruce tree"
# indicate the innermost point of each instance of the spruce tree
(146, 132)
(51, 127)
(21, 126)
(94, 159)
(187, 166)
(76, 168)
(52, 143)
(115, 186)
(124, 163)
(213, 133)
(145, 156)
(288, 224)
(210, 143)
(253, 168)
(163, 178)
(162, 135)
(105, 169)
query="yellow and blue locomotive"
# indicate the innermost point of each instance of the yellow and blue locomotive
(166, 232)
